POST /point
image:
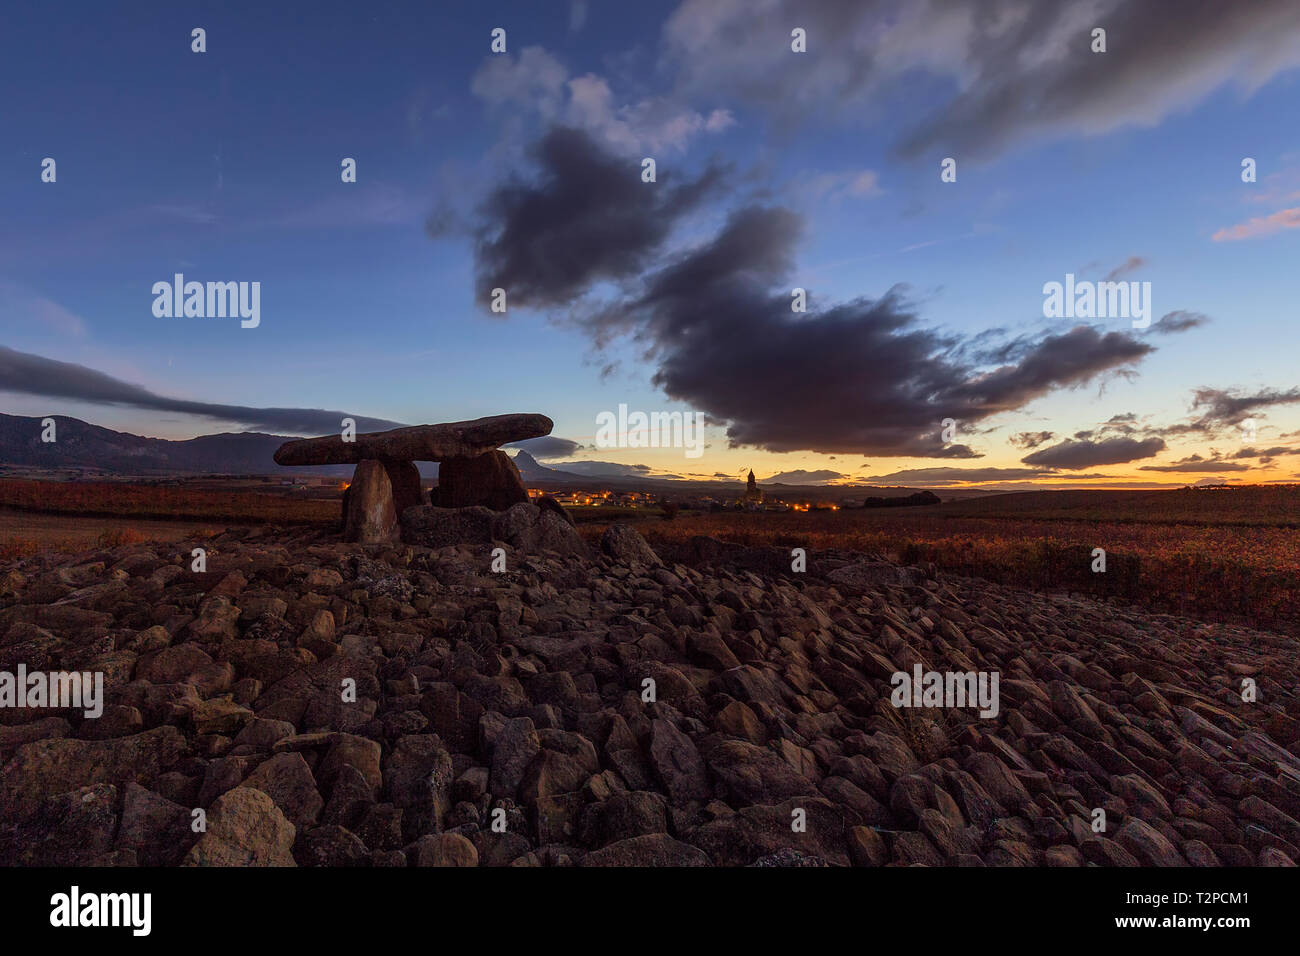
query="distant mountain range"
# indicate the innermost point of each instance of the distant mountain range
(95, 449)
(601, 475)
(79, 444)
(531, 470)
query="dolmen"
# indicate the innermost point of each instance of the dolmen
(480, 495)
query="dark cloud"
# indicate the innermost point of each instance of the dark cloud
(1195, 463)
(1218, 412)
(586, 217)
(921, 477)
(1071, 454)
(1011, 70)
(1273, 452)
(860, 377)
(1030, 439)
(1221, 408)
(1180, 321)
(1071, 358)
(1224, 406)
(800, 476)
(27, 374)
(547, 446)
(1115, 425)
(1125, 424)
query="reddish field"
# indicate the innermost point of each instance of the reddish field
(112, 499)
(1255, 505)
(76, 516)
(23, 533)
(1228, 554)
(1231, 554)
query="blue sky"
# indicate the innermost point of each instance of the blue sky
(224, 165)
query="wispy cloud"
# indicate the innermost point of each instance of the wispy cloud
(1129, 265)
(845, 184)
(1260, 226)
(1018, 71)
(374, 204)
(20, 306)
(538, 82)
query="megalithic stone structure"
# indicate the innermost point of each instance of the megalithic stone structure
(472, 471)
(418, 442)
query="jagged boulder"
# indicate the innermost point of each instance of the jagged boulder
(625, 545)
(530, 528)
(873, 574)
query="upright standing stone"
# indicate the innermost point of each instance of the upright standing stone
(371, 515)
(405, 479)
(491, 480)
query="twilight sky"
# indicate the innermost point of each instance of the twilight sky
(775, 170)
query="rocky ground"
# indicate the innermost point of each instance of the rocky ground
(498, 718)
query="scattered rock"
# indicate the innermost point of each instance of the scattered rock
(480, 696)
(433, 527)
(624, 544)
(245, 828)
(874, 574)
(653, 849)
(445, 849)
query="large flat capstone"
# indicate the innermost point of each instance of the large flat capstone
(417, 443)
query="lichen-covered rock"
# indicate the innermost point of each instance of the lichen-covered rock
(244, 828)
